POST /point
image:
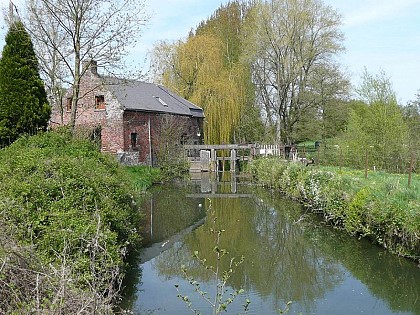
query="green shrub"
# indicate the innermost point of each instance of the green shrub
(72, 204)
(381, 207)
(358, 209)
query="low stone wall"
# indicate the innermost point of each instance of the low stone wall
(128, 158)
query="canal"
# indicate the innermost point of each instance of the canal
(289, 255)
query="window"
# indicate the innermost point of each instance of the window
(68, 104)
(99, 102)
(133, 139)
(161, 101)
(184, 139)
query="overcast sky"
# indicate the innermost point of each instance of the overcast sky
(380, 35)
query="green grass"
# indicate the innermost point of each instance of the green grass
(143, 176)
(381, 207)
(380, 180)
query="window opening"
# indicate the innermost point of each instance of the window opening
(68, 104)
(133, 139)
(99, 102)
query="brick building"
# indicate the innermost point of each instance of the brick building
(129, 117)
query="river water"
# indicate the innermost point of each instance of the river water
(289, 255)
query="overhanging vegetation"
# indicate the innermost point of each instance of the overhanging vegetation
(381, 207)
(68, 220)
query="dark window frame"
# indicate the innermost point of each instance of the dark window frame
(100, 102)
(133, 139)
(69, 103)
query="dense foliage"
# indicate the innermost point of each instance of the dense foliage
(381, 207)
(377, 124)
(266, 71)
(23, 101)
(260, 70)
(208, 70)
(411, 114)
(69, 219)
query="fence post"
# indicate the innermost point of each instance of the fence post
(410, 170)
(319, 161)
(366, 163)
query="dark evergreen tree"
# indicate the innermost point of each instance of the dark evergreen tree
(24, 105)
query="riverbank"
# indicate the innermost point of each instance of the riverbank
(382, 207)
(69, 217)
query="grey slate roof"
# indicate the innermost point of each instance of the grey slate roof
(149, 97)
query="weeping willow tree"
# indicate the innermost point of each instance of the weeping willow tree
(195, 70)
(207, 70)
(222, 99)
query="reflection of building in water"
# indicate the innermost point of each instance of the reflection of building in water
(214, 185)
(162, 206)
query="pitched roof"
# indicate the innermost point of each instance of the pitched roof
(150, 97)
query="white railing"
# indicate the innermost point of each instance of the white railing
(270, 149)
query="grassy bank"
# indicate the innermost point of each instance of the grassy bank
(68, 219)
(381, 207)
(143, 177)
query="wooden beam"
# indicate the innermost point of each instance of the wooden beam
(218, 146)
(219, 195)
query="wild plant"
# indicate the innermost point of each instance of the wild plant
(223, 297)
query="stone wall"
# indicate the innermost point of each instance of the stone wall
(113, 128)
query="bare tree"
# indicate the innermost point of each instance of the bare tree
(69, 32)
(173, 131)
(290, 40)
(328, 89)
(51, 52)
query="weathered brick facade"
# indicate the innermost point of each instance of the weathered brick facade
(131, 134)
(147, 127)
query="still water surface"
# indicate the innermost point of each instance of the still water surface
(289, 256)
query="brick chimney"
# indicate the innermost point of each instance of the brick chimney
(90, 66)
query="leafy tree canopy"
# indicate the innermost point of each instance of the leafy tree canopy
(207, 70)
(377, 125)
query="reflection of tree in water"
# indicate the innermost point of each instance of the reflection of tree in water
(288, 264)
(169, 263)
(131, 281)
(280, 264)
(395, 280)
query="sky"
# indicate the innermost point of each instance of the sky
(380, 35)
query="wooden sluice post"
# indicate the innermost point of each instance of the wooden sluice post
(223, 163)
(233, 160)
(213, 159)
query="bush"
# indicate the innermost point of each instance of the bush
(379, 207)
(72, 205)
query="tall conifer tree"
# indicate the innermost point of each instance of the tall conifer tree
(24, 105)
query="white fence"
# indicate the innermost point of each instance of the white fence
(270, 149)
